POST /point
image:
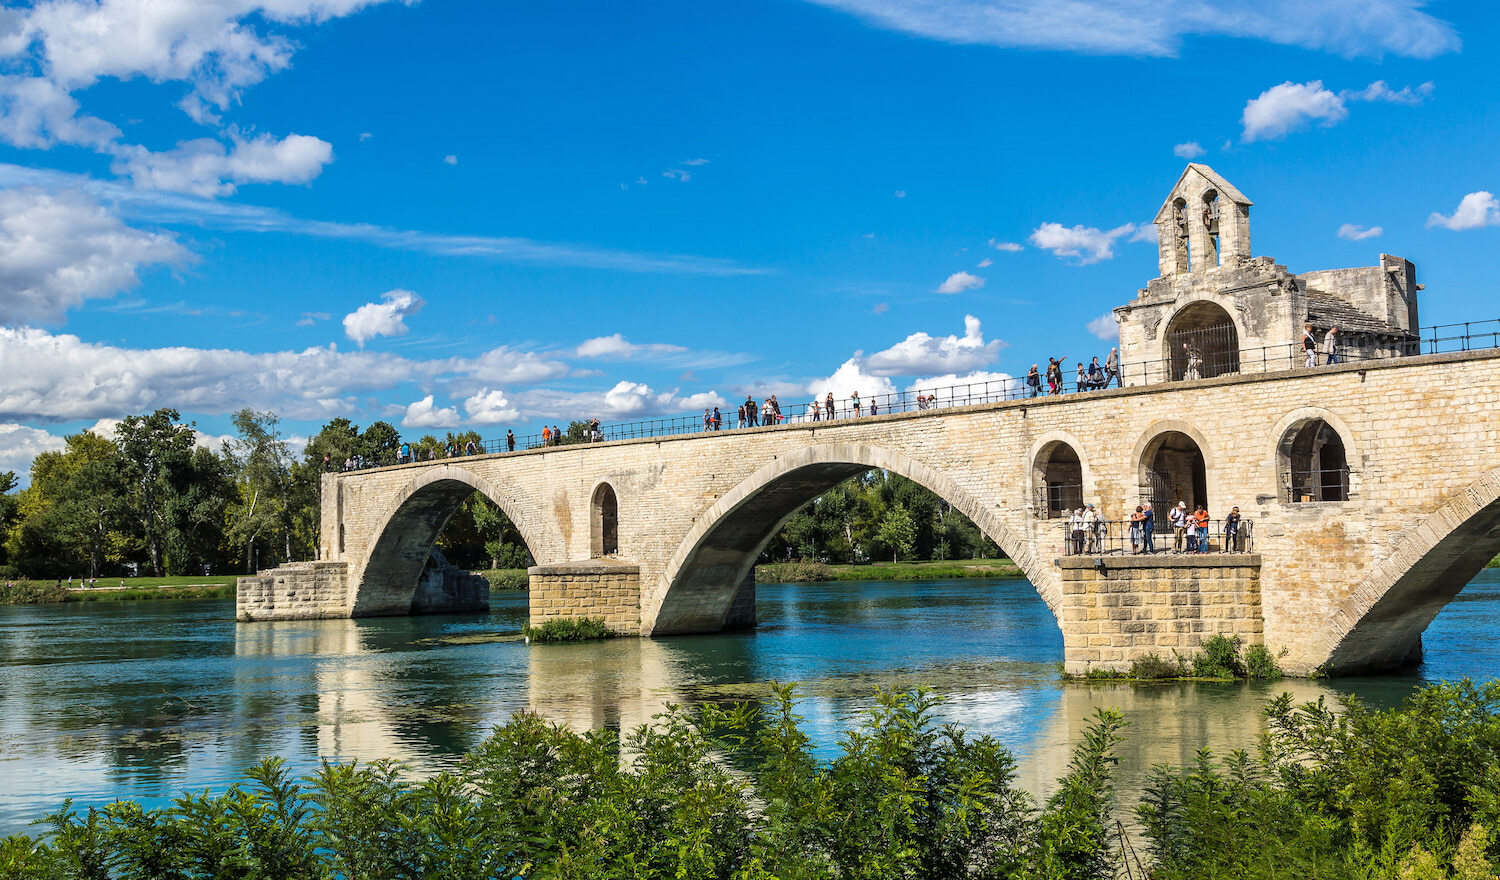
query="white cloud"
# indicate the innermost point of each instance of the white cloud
(954, 389)
(1284, 108)
(1105, 327)
(985, 263)
(206, 167)
(1190, 150)
(505, 366)
(450, 159)
(1475, 210)
(56, 251)
(693, 162)
(617, 347)
(900, 193)
(386, 318)
(850, 377)
(678, 175)
(365, 136)
(490, 407)
(958, 282)
(1007, 246)
(424, 414)
(1128, 27)
(20, 445)
(626, 400)
(1145, 232)
(881, 308)
(36, 113)
(1088, 244)
(920, 353)
(310, 318)
(1351, 232)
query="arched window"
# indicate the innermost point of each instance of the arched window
(1313, 464)
(1182, 244)
(605, 517)
(1202, 342)
(1174, 472)
(1211, 229)
(1058, 477)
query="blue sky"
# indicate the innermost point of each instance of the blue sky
(461, 214)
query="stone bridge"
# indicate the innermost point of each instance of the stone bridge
(660, 535)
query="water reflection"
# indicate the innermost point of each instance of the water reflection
(148, 699)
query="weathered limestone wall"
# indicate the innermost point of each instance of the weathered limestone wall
(1139, 605)
(295, 591)
(594, 588)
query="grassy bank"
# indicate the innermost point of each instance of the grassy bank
(506, 579)
(800, 572)
(117, 590)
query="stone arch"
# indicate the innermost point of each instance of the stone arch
(1207, 327)
(1059, 475)
(718, 554)
(604, 521)
(386, 582)
(1297, 429)
(1380, 625)
(1152, 442)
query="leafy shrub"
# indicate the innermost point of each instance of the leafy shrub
(1154, 667)
(1260, 663)
(1219, 658)
(569, 629)
(31, 593)
(507, 579)
(793, 572)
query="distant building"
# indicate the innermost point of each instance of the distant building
(1216, 304)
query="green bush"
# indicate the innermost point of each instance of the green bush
(1154, 667)
(1219, 658)
(31, 593)
(793, 572)
(1260, 663)
(569, 629)
(506, 579)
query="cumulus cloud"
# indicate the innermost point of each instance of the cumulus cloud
(450, 159)
(617, 347)
(1282, 109)
(1190, 150)
(921, 353)
(425, 414)
(1351, 232)
(58, 250)
(20, 445)
(1086, 243)
(1371, 28)
(958, 282)
(1007, 246)
(955, 389)
(490, 407)
(625, 400)
(385, 318)
(37, 113)
(851, 377)
(1475, 210)
(1105, 327)
(206, 167)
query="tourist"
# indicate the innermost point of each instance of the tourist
(718, 420)
(1148, 529)
(1093, 528)
(1331, 346)
(510, 440)
(470, 448)
(1201, 520)
(1232, 531)
(708, 419)
(1112, 369)
(817, 410)
(854, 402)
(1034, 381)
(1135, 528)
(1178, 518)
(1075, 531)
(752, 411)
(740, 416)
(775, 410)
(557, 436)
(828, 406)
(1194, 363)
(1082, 379)
(1309, 347)
(767, 414)
(1054, 375)
(546, 436)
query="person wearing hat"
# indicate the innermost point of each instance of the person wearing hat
(1178, 519)
(1075, 532)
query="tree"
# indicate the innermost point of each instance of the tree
(8, 507)
(196, 510)
(898, 532)
(263, 475)
(379, 444)
(74, 517)
(152, 449)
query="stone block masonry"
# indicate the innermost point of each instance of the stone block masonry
(592, 588)
(1132, 606)
(295, 591)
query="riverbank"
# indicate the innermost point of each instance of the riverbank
(118, 590)
(807, 572)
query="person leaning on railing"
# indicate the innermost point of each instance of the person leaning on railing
(1232, 531)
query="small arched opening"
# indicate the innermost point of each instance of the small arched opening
(1174, 471)
(1314, 466)
(1214, 256)
(604, 517)
(1182, 252)
(1058, 477)
(1202, 342)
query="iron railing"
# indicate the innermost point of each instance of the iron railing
(1444, 338)
(1115, 537)
(1328, 484)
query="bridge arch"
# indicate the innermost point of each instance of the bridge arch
(1380, 625)
(1161, 477)
(386, 582)
(718, 554)
(1060, 476)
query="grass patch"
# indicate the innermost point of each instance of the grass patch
(797, 572)
(1221, 658)
(503, 580)
(200, 591)
(570, 629)
(136, 589)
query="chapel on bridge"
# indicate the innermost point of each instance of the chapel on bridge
(1241, 313)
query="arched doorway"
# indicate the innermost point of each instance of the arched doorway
(1313, 464)
(1174, 471)
(1057, 475)
(604, 517)
(1202, 342)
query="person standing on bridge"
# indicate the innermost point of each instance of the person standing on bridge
(1331, 346)
(405, 453)
(1200, 522)
(546, 436)
(854, 403)
(1232, 531)
(718, 419)
(1075, 532)
(708, 419)
(1178, 518)
(1082, 379)
(1309, 347)
(828, 406)
(1136, 529)
(510, 440)
(1034, 381)
(1148, 529)
(752, 411)
(1112, 369)
(1091, 528)
(817, 410)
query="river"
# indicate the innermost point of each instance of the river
(146, 699)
